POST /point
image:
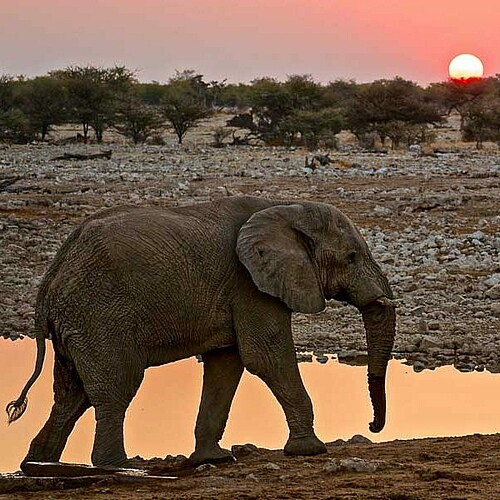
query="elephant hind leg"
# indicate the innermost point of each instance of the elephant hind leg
(222, 370)
(70, 402)
(111, 380)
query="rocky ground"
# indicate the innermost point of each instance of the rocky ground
(432, 221)
(423, 469)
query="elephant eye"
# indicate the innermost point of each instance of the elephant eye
(351, 257)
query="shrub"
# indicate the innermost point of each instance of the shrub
(220, 134)
(183, 107)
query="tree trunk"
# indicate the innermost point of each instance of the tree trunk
(85, 132)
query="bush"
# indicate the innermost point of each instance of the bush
(94, 94)
(390, 108)
(183, 107)
(44, 101)
(156, 139)
(311, 127)
(482, 121)
(136, 120)
(15, 126)
(220, 134)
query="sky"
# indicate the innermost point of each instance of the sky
(240, 40)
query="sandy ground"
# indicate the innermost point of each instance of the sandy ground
(449, 468)
(432, 221)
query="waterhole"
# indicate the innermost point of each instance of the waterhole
(161, 419)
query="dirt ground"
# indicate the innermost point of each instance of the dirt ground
(465, 468)
(434, 223)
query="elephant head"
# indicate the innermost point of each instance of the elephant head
(306, 253)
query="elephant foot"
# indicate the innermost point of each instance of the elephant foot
(37, 457)
(211, 454)
(310, 445)
(111, 462)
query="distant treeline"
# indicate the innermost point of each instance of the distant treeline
(298, 111)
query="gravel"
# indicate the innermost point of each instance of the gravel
(432, 223)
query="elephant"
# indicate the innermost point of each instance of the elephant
(136, 287)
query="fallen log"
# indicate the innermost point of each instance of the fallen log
(79, 156)
(62, 469)
(16, 483)
(44, 476)
(317, 160)
(8, 181)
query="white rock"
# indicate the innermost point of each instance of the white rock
(493, 292)
(353, 464)
(492, 280)
(271, 466)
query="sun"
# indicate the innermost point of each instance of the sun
(465, 67)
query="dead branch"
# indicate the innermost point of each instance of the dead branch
(8, 181)
(317, 160)
(90, 156)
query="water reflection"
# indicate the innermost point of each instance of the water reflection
(161, 418)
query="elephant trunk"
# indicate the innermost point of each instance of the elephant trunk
(379, 319)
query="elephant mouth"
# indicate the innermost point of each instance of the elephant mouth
(342, 296)
(385, 301)
(381, 299)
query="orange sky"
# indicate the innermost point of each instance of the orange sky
(244, 39)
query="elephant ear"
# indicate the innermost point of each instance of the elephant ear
(273, 249)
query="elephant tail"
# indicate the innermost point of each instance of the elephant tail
(16, 408)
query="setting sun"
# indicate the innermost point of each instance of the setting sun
(465, 66)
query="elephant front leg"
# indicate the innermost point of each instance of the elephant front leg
(222, 370)
(286, 385)
(267, 350)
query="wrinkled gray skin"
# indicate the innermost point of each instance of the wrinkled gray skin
(138, 287)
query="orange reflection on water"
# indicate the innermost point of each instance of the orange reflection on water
(161, 418)
(443, 402)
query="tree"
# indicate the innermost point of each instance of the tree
(135, 119)
(6, 92)
(277, 108)
(340, 93)
(208, 92)
(14, 124)
(183, 105)
(390, 108)
(44, 101)
(305, 94)
(313, 118)
(271, 103)
(235, 96)
(150, 93)
(94, 93)
(312, 127)
(482, 120)
(457, 95)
